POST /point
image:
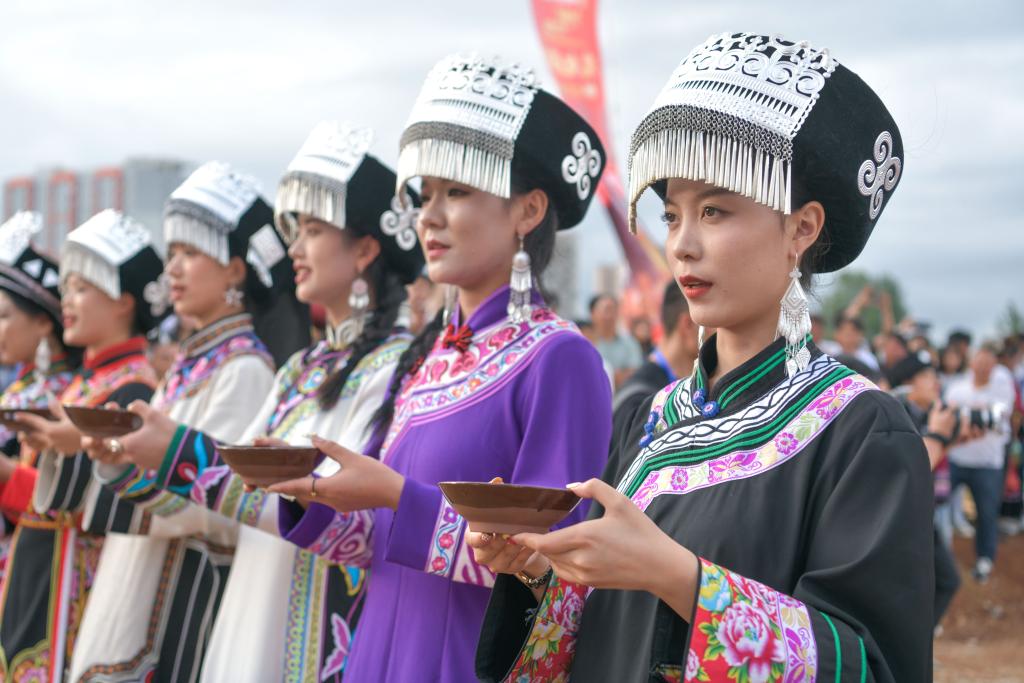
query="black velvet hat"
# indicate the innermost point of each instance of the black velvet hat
(779, 122)
(334, 179)
(115, 254)
(25, 271)
(476, 121)
(220, 212)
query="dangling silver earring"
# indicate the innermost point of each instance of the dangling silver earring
(521, 286)
(700, 347)
(234, 296)
(451, 298)
(42, 359)
(795, 324)
(359, 302)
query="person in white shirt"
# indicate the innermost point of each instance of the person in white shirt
(977, 459)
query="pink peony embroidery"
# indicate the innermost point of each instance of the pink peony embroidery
(679, 479)
(732, 465)
(786, 443)
(646, 492)
(692, 665)
(749, 642)
(464, 363)
(829, 402)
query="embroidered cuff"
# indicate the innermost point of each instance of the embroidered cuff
(303, 526)
(415, 527)
(551, 644)
(744, 630)
(339, 538)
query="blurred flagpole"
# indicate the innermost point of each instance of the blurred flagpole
(568, 34)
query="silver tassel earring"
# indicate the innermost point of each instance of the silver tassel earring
(451, 300)
(359, 302)
(42, 359)
(700, 347)
(234, 296)
(521, 287)
(795, 324)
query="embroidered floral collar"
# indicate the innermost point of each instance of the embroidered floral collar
(741, 385)
(215, 333)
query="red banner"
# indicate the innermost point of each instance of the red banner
(568, 33)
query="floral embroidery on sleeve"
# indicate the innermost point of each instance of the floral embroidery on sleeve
(346, 540)
(444, 542)
(746, 632)
(548, 653)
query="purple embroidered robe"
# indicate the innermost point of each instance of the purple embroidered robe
(527, 402)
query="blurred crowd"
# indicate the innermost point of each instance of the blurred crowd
(965, 397)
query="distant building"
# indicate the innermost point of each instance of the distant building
(67, 198)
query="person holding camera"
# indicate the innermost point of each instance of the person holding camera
(916, 385)
(976, 458)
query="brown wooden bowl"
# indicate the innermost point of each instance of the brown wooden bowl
(7, 417)
(509, 508)
(261, 466)
(103, 423)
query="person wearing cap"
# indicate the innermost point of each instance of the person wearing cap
(775, 522)
(154, 596)
(497, 385)
(286, 613)
(110, 299)
(916, 386)
(978, 458)
(31, 337)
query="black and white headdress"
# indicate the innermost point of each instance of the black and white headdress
(220, 212)
(25, 271)
(333, 178)
(114, 253)
(776, 121)
(476, 121)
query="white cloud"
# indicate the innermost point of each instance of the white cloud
(86, 84)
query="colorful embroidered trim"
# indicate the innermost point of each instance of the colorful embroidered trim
(451, 379)
(744, 630)
(789, 441)
(345, 541)
(190, 375)
(444, 541)
(548, 653)
(758, 426)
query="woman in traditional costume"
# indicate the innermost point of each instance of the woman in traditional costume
(772, 512)
(286, 613)
(110, 298)
(31, 337)
(154, 598)
(498, 385)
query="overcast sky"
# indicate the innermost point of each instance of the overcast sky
(88, 84)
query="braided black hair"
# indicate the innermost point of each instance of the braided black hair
(390, 293)
(539, 244)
